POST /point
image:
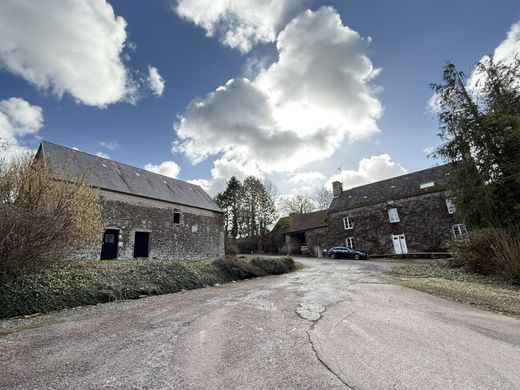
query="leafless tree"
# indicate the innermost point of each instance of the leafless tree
(43, 219)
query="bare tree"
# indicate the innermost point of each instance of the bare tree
(295, 204)
(43, 219)
(321, 197)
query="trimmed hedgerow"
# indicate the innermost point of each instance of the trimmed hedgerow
(75, 283)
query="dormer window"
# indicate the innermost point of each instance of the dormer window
(427, 184)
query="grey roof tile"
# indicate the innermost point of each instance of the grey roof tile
(114, 176)
(395, 188)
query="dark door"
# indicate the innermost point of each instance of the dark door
(141, 244)
(110, 241)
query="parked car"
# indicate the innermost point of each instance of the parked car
(342, 252)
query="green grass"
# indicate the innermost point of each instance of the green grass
(459, 284)
(77, 283)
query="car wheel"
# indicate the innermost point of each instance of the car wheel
(356, 257)
(332, 256)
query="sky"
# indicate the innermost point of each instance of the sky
(299, 92)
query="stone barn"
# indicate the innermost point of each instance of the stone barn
(301, 230)
(411, 213)
(146, 215)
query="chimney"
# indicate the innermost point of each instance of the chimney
(337, 188)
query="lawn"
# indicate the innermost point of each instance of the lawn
(460, 285)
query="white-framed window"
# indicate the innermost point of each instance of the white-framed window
(347, 223)
(450, 206)
(349, 242)
(393, 215)
(459, 230)
(427, 184)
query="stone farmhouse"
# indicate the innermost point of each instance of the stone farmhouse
(412, 213)
(146, 215)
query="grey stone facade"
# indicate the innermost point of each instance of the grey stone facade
(423, 219)
(198, 235)
(425, 223)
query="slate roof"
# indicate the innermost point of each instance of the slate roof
(301, 222)
(395, 188)
(114, 176)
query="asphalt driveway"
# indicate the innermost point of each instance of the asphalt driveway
(332, 325)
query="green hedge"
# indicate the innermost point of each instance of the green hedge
(73, 284)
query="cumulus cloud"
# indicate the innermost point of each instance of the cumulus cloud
(307, 178)
(18, 119)
(222, 171)
(297, 110)
(506, 51)
(240, 24)
(370, 170)
(72, 47)
(166, 168)
(155, 81)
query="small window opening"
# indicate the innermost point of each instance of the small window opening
(349, 242)
(427, 184)
(393, 215)
(176, 217)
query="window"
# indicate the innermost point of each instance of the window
(459, 230)
(450, 206)
(176, 217)
(393, 215)
(349, 242)
(427, 184)
(347, 223)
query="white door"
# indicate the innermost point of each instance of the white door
(402, 240)
(399, 242)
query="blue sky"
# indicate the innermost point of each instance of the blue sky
(246, 127)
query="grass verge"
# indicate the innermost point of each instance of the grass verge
(460, 285)
(73, 283)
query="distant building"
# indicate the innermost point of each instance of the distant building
(145, 214)
(297, 230)
(411, 213)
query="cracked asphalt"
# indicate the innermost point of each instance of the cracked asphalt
(332, 325)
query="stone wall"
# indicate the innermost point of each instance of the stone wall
(424, 220)
(198, 235)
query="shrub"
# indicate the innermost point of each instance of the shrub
(42, 219)
(490, 251)
(230, 247)
(76, 283)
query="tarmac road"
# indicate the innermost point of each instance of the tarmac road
(333, 325)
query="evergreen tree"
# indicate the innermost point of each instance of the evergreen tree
(480, 130)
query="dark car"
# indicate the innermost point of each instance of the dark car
(342, 252)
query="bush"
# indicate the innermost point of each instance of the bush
(241, 268)
(230, 247)
(43, 219)
(77, 283)
(491, 251)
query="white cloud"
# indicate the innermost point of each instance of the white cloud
(155, 81)
(72, 47)
(297, 110)
(110, 145)
(307, 179)
(506, 51)
(166, 168)
(103, 155)
(18, 119)
(370, 170)
(240, 24)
